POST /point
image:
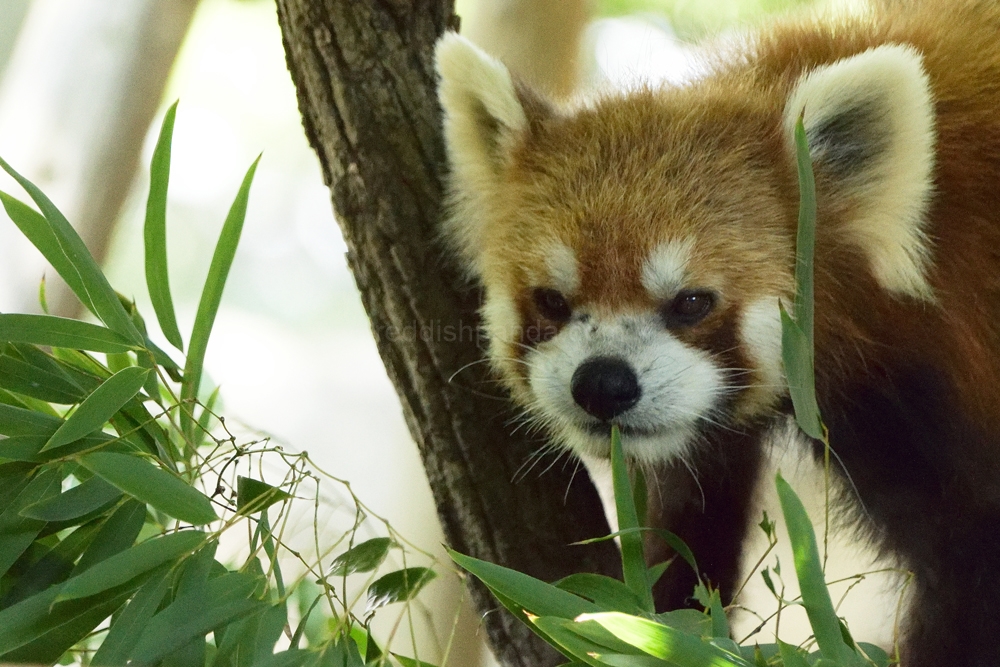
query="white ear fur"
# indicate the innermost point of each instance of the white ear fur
(870, 123)
(482, 116)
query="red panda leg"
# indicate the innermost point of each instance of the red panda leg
(709, 507)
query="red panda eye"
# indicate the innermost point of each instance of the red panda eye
(688, 308)
(551, 304)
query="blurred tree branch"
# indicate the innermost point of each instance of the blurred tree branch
(77, 97)
(364, 74)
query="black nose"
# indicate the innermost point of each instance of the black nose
(605, 387)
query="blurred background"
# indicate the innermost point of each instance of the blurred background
(83, 87)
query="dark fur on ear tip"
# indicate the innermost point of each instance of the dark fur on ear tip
(850, 142)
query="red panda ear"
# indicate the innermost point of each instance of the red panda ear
(870, 124)
(485, 114)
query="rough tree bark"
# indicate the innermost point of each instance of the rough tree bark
(366, 89)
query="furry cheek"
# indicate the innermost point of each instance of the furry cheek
(760, 332)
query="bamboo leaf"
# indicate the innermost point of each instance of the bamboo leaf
(74, 503)
(20, 421)
(127, 628)
(664, 642)
(150, 484)
(223, 600)
(797, 351)
(118, 533)
(558, 632)
(83, 271)
(398, 586)
(812, 584)
(132, 562)
(537, 597)
(36, 228)
(211, 296)
(155, 233)
(49, 632)
(796, 354)
(18, 532)
(606, 592)
(100, 406)
(61, 332)
(363, 557)
(21, 377)
(252, 495)
(633, 560)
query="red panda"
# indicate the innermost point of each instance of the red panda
(633, 251)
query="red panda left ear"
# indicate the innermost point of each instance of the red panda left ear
(870, 123)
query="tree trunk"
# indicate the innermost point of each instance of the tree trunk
(366, 89)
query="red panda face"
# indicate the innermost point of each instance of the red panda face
(612, 292)
(634, 252)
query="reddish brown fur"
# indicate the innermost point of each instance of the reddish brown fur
(907, 385)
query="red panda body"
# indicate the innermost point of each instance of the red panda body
(633, 252)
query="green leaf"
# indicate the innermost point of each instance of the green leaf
(607, 593)
(559, 633)
(691, 621)
(372, 650)
(398, 586)
(223, 600)
(52, 568)
(19, 421)
(252, 638)
(294, 657)
(875, 654)
(253, 496)
(118, 533)
(61, 332)
(211, 296)
(18, 532)
(363, 557)
(25, 378)
(126, 629)
(151, 485)
(812, 584)
(410, 662)
(796, 354)
(720, 624)
(537, 597)
(155, 233)
(36, 228)
(100, 406)
(657, 571)
(55, 631)
(664, 642)
(78, 501)
(797, 334)
(132, 562)
(805, 242)
(70, 257)
(633, 560)
(618, 660)
(791, 656)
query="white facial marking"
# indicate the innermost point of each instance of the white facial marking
(500, 316)
(563, 268)
(680, 386)
(665, 270)
(760, 330)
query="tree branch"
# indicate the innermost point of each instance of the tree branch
(364, 74)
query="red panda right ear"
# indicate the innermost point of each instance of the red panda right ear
(485, 113)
